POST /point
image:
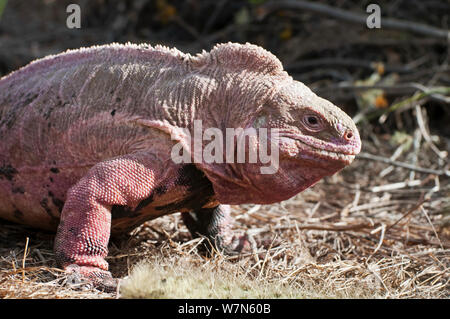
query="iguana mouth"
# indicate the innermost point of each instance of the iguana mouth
(315, 151)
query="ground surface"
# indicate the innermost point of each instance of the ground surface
(337, 239)
(373, 230)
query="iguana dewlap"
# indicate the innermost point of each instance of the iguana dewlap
(86, 138)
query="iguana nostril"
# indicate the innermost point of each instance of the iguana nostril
(348, 135)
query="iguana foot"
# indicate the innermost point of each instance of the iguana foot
(238, 245)
(215, 224)
(247, 244)
(92, 277)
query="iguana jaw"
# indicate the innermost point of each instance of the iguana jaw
(309, 148)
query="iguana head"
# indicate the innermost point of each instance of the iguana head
(311, 129)
(313, 137)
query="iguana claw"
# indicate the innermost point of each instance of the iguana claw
(92, 277)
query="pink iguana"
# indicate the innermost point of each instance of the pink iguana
(86, 138)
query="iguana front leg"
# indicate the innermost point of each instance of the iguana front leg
(81, 243)
(215, 224)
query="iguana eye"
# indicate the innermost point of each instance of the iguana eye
(312, 122)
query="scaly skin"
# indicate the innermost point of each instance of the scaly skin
(86, 138)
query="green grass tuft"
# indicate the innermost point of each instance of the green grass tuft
(150, 280)
(162, 279)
